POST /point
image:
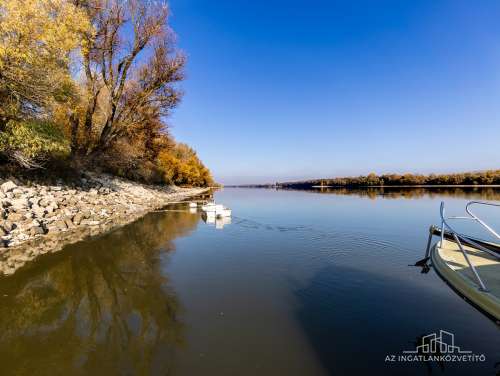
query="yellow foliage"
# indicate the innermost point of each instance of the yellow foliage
(30, 143)
(182, 166)
(33, 31)
(36, 39)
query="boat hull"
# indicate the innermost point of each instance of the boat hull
(212, 208)
(450, 264)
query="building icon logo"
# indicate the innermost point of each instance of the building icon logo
(436, 347)
(438, 343)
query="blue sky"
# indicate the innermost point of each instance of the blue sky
(279, 90)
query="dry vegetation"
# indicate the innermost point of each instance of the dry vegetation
(91, 82)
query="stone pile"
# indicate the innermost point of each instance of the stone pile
(37, 218)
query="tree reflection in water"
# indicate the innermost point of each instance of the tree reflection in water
(101, 307)
(395, 192)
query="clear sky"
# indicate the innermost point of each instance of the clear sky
(279, 90)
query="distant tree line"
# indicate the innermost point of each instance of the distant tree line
(91, 82)
(489, 177)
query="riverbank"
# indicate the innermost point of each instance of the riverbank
(39, 218)
(475, 178)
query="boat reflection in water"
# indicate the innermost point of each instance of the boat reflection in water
(211, 219)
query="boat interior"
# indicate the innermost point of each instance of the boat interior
(471, 266)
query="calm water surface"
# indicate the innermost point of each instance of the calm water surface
(299, 283)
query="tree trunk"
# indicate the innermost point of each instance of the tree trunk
(88, 122)
(74, 121)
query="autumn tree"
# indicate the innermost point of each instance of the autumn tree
(182, 166)
(91, 82)
(130, 69)
(36, 39)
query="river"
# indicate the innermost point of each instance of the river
(298, 283)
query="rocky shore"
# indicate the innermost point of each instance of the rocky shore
(38, 218)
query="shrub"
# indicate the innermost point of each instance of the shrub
(180, 165)
(31, 143)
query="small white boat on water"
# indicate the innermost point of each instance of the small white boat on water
(212, 207)
(216, 209)
(193, 205)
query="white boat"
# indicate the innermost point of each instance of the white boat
(216, 209)
(193, 205)
(212, 207)
(468, 264)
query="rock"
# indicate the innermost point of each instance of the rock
(50, 214)
(77, 219)
(8, 226)
(22, 237)
(8, 186)
(34, 201)
(37, 230)
(61, 225)
(28, 210)
(19, 203)
(38, 211)
(44, 202)
(15, 217)
(69, 222)
(34, 223)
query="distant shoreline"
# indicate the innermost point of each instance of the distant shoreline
(413, 186)
(488, 178)
(300, 186)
